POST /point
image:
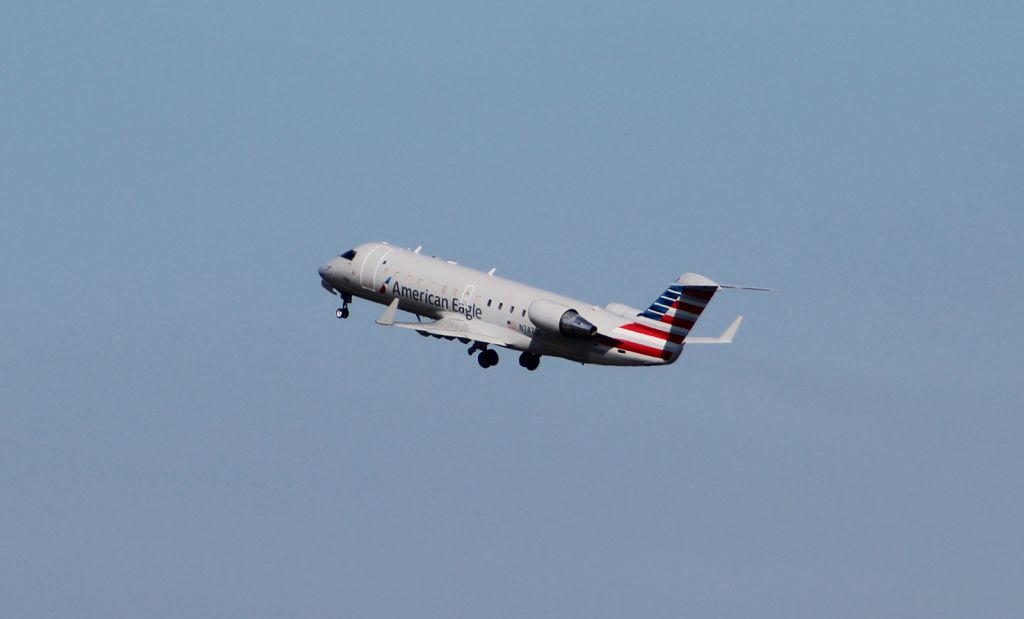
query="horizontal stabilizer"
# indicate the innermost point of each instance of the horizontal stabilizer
(745, 288)
(725, 338)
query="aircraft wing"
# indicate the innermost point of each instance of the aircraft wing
(452, 327)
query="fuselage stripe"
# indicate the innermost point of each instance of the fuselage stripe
(656, 323)
(675, 338)
(640, 349)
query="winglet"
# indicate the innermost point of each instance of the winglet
(388, 318)
(725, 338)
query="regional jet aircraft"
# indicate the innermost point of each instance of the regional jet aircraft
(483, 310)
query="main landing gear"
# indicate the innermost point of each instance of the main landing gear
(529, 360)
(487, 357)
(343, 312)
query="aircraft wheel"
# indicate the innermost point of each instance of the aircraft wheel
(489, 357)
(529, 361)
(343, 312)
(340, 313)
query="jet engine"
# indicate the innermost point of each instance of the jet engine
(554, 317)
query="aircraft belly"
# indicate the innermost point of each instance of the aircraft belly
(614, 357)
(579, 350)
(587, 351)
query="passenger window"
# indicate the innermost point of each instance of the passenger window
(488, 302)
(512, 310)
(499, 305)
(524, 313)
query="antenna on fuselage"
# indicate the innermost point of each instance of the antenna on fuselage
(491, 272)
(417, 250)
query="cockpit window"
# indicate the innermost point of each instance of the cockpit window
(350, 254)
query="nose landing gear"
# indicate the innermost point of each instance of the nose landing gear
(343, 312)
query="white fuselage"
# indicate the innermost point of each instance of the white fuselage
(435, 288)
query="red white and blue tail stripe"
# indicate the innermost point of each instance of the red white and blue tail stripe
(679, 307)
(661, 329)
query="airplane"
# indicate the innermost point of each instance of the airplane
(484, 310)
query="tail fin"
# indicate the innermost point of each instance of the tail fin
(679, 307)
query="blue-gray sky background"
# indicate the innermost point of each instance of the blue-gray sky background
(186, 429)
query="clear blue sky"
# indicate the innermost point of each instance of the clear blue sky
(186, 429)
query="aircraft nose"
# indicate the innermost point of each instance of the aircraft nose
(324, 269)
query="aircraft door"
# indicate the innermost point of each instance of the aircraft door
(467, 296)
(371, 266)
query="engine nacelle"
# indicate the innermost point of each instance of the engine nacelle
(557, 318)
(621, 309)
